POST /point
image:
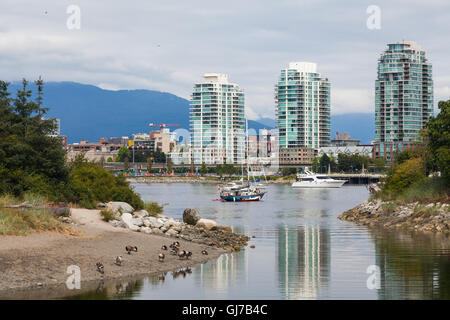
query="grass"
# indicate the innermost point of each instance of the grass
(23, 222)
(389, 207)
(424, 191)
(107, 215)
(153, 208)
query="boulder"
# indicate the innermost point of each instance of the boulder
(171, 232)
(145, 230)
(206, 224)
(137, 221)
(115, 206)
(224, 228)
(141, 214)
(127, 219)
(152, 222)
(191, 216)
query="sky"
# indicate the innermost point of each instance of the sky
(168, 45)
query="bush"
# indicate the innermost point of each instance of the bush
(107, 215)
(90, 184)
(402, 176)
(153, 208)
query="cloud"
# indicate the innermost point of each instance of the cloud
(168, 46)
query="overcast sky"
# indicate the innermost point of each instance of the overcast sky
(168, 45)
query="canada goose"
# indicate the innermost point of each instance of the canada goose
(181, 254)
(100, 267)
(173, 252)
(161, 257)
(119, 260)
(177, 244)
(129, 249)
(204, 252)
(164, 247)
(188, 254)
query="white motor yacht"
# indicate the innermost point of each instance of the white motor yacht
(313, 180)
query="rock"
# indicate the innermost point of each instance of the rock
(116, 223)
(141, 214)
(252, 246)
(101, 205)
(137, 221)
(127, 219)
(152, 222)
(116, 206)
(145, 230)
(157, 231)
(191, 216)
(224, 228)
(206, 224)
(59, 211)
(171, 232)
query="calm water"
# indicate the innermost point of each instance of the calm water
(302, 251)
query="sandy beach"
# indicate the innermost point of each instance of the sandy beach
(31, 265)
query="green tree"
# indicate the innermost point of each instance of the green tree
(126, 164)
(203, 169)
(401, 176)
(123, 153)
(437, 136)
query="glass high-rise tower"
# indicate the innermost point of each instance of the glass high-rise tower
(403, 96)
(217, 121)
(302, 99)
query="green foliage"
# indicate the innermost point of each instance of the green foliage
(123, 153)
(169, 165)
(203, 169)
(403, 175)
(32, 161)
(91, 184)
(437, 136)
(288, 172)
(29, 157)
(428, 190)
(153, 208)
(107, 215)
(352, 162)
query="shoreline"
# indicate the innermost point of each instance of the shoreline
(36, 265)
(199, 180)
(431, 217)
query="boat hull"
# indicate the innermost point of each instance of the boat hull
(334, 184)
(254, 197)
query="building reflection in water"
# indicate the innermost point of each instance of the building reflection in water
(221, 273)
(304, 259)
(412, 266)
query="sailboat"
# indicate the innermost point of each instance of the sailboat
(243, 190)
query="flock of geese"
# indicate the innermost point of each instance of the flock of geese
(174, 250)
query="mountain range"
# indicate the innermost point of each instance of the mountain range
(88, 112)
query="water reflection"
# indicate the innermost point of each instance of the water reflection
(413, 266)
(303, 261)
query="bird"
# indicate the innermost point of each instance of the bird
(173, 252)
(188, 270)
(176, 244)
(161, 257)
(164, 247)
(188, 254)
(119, 260)
(204, 252)
(100, 267)
(129, 249)
(181, 254)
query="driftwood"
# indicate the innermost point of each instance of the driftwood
(57, 209)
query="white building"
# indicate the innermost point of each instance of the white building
(217, 121)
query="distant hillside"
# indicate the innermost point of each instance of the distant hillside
(88, 112)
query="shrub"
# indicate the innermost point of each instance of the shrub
(402, 176)
(153, 208)
(107, 215)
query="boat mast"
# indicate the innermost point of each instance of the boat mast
(246, 137)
